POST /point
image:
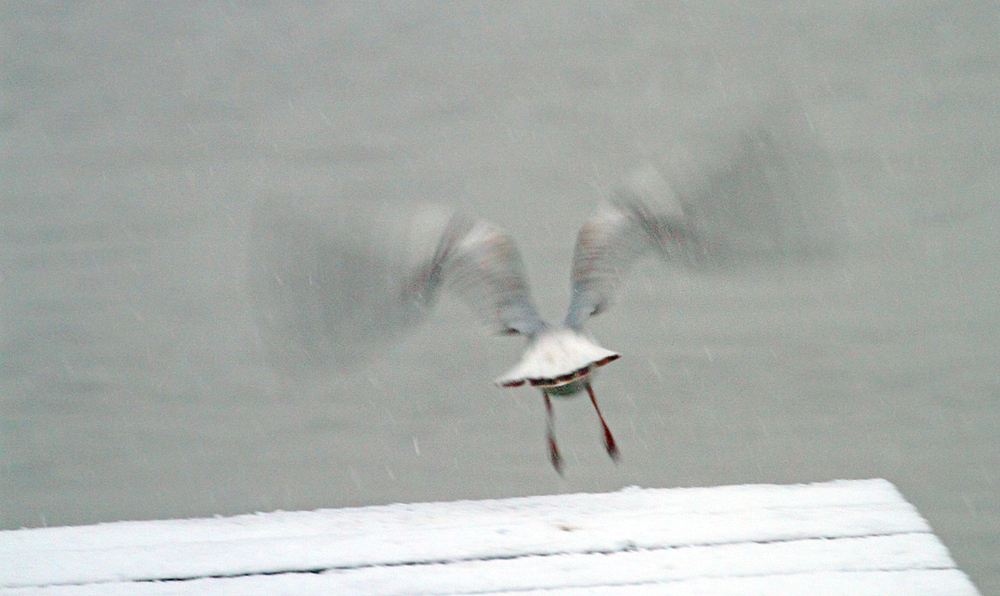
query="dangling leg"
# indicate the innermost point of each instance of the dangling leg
(551, 435)
(609, 441)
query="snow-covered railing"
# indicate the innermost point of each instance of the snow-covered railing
(853, 537)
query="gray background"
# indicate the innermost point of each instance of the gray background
(136, 136)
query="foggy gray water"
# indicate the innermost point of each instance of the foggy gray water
(137, 141)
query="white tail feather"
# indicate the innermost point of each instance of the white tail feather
(556, 357)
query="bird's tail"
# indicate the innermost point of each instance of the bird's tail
(556, 357)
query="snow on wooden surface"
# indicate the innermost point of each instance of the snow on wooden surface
(858, 537)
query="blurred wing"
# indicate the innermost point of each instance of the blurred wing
(479, 263)
(328, 288)
(760, 191)
(612, 240)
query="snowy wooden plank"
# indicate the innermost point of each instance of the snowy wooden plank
(860, 536)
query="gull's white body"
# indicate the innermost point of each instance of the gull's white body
(557, 357)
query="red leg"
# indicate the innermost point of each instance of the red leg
(551, 435)
(609, 441)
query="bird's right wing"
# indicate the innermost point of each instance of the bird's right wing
(761, 191)
(613, 239)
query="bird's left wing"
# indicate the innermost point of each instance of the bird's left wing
(328, 285)
(480, 263)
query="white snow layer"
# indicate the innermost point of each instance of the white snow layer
(844, 537)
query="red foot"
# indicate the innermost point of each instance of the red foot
(554, 456)
(609, 441)
(609, 444)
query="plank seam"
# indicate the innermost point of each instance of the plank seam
(627, 547)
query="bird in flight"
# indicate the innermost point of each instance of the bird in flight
(317, 286)
(481, 263)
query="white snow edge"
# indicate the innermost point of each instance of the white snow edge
(854, 533)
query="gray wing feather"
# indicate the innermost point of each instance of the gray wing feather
(480, 263)
(328, 288)
(609, 244)
(762, 193)
(759, 190)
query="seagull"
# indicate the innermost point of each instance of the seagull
(323, 285)
(481, 263)
(318, 288)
